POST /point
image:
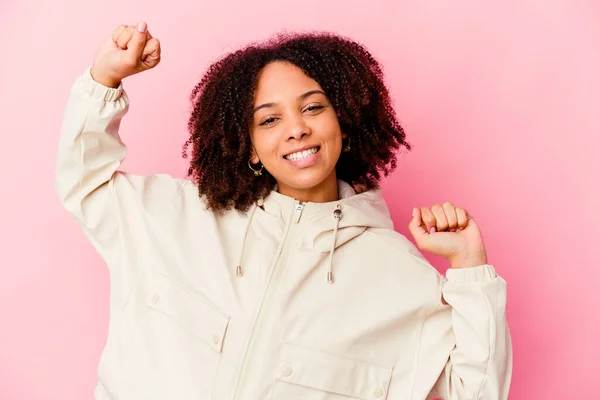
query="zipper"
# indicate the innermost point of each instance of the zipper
(299, 207)
(266, 300)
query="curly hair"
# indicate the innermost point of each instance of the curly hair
(222, 104)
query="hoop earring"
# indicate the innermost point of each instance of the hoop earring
(257, 172)
(347, 147)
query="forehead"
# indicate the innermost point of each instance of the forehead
(280, 81)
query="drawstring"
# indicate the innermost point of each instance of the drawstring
(337, 215)
(238, 269)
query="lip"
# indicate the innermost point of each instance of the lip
(302, 149)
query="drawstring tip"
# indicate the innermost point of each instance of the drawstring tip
(337, 215)
(238, 271)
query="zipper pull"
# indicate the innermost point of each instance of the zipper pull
(298, 211)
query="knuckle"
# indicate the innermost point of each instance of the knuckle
(452, 217)
(448, 204)
(430, 220)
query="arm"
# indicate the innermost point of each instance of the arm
(480, 364)
(90, 150)
(89, 154)
(465, 342)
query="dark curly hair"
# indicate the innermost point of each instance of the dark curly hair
(222, 105)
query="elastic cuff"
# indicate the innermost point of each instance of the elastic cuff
(97, 90)
(483, 273)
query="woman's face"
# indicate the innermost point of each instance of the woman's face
(295, 133)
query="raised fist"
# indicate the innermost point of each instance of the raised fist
(129, 50)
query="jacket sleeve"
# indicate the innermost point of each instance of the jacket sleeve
(480, 364)
(89, 154)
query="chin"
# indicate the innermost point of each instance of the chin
(305, 181)
(304, 184)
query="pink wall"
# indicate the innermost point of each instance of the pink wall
(501, 102)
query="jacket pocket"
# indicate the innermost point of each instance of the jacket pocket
(309, 374)
(196, 315)
(175, 348)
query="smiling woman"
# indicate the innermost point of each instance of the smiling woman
(290, 94)
(222, 285)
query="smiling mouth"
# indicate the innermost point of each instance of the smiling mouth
(300, 155)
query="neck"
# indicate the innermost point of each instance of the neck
(324, 192)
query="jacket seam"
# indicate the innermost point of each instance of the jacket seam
(491, 334)
(418, 350)
(81, 156)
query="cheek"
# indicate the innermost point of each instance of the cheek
(328, 128)
(265, 144)
(334, 134)
(334, 126)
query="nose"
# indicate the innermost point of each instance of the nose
(297, 128)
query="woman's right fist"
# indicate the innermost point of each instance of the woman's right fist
(128, 51)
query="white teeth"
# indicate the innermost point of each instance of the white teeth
(301, 154)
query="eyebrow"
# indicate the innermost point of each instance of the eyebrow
(301, 97)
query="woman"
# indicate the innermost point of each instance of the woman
(275, 272)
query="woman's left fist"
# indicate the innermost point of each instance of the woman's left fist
(449, 232)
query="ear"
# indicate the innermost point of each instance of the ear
(254, 159)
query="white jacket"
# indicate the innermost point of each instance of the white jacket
(184, 325)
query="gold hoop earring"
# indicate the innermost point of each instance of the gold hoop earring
(347, 147)
(257, 172)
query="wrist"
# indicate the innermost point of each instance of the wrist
(104, 79)
(468, 262)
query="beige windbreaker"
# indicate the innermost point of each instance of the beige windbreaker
(287, 301)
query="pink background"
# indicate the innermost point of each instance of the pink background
(501, 101)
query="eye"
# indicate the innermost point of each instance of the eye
(313, 108)
(268, 121)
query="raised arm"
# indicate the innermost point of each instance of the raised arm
(90, 150)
